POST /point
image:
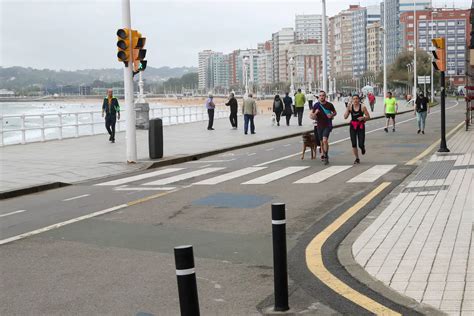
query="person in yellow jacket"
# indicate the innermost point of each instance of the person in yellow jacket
(390, 110)
(300, 100)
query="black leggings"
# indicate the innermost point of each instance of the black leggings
(288, 118)
(357, 135)
(278, 115)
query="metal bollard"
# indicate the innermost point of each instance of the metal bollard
(280, 269)
(187, 288)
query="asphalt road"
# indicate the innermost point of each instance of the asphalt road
(106, 247)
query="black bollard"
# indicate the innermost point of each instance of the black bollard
(187, 288)
(280, 270)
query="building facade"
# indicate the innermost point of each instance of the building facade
(280, 41)
(308, 27)
(203, 68)
(306, 55)
(452, 24)
(374, 47)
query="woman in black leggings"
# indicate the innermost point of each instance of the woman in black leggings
(359, 115)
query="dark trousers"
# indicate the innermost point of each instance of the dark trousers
(233, 119)
(249, 118)
(294, 109)
(288, 118)
(299, 111)
(357, 136)
(110, 121)
(210, 113)
(278, 115)
(310, 104)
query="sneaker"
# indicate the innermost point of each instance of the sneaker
(363, 151)
(210, 129)
(245, 133)
(253, 133)
(357, 161)
(419, 131)
(326, 161)
(386, 130)
(393, 130)
(423, 132)
(110, 138)
(113, 140)
(278, 124)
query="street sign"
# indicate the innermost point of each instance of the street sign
(424, 79)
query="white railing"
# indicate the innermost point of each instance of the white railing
(28, 128)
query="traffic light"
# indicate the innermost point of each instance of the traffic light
(439, 54)
(123, 45)
(139, 53)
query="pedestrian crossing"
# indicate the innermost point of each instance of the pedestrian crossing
(258, 176)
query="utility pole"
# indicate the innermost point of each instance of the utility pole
(432, 67)
(325, 53)
(384, 49)
(130, 132)
(415, 39)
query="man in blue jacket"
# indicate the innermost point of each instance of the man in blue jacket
(111, 109)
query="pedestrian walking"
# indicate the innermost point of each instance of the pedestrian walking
(359, 115)
(421, 109)
(371, 98)
(111, 110)
(325, 112)
(310, 98)
(300, 100)
(347, 98)
(278, 107)
(233, 110)
(210, 106)
(249, 110)
(390, 110)
(288, 101)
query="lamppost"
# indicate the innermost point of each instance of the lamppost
(246, 76)
(410, 69)
(291, 62)
(325, 53)
(415, 45)
(310, 79)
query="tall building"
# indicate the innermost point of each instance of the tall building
(308, 27)
(218, 65)
(392, 26)
(409, 5)
(452, 24)
(307, 55)
(280, 41)
(203, 68)
(265, 64)
(340, 43)
(373, 47)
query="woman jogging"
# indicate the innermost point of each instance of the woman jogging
(359, 115)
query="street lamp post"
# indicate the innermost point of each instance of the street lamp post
(246, 77)
(310, 78)
(291, 62)
(415, 39)
(432, 67)
(384, 49)
(325, 53)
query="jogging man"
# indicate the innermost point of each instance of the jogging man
(390, 110)
(325, 112)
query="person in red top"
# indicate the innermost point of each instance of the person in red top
(359, 115)
(324, 112)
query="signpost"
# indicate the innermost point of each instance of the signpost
(424, 80)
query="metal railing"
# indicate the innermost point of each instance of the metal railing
(28, 128)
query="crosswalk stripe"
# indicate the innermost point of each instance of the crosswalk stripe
(140, 176)
(275, 175)
(183, 176)
(372, 174)
(322, 175)
(144, 189)
(229, 176)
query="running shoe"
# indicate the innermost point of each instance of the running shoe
(363, 151)
(386, 130)
(357, 161)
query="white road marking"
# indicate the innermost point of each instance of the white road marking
(205, 166)
(344, 139)
(74, 220)
(141, 176)
(11, 213)
(276, 175)
(251, 154)
(183, 176)
(208, 161)
(269, 149)
(286, 145)
(323, 174)
(229, 176)
(372, 174)
(76, 197)
(144, 189)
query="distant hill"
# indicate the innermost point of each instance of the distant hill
(17, 78)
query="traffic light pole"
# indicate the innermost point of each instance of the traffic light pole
(130, 132)
(442, 146)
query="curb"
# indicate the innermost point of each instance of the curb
(167, 161)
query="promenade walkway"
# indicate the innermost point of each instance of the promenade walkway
(91, 157)
(421, 242)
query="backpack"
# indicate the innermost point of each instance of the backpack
(278, 105)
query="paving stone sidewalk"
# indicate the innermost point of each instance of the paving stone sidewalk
(421, 243)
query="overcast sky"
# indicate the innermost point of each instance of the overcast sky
(73, 34)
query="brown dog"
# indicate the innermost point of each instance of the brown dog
(309, 141)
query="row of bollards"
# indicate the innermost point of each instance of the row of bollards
(186, 275)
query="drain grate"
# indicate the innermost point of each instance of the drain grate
(435, 170)
(426, 189)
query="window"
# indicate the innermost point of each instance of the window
(451, 23)
(460, 55)
(460, 22)
(451, 47)
(461, 31)
(441, 23)
(461, 47)
(422, 24)
(451, 39)
(422, 17)
(441, 32)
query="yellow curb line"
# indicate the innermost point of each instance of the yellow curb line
(314, 259)
(432, 146)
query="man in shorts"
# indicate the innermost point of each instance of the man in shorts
(390, 110)
(324, 112)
